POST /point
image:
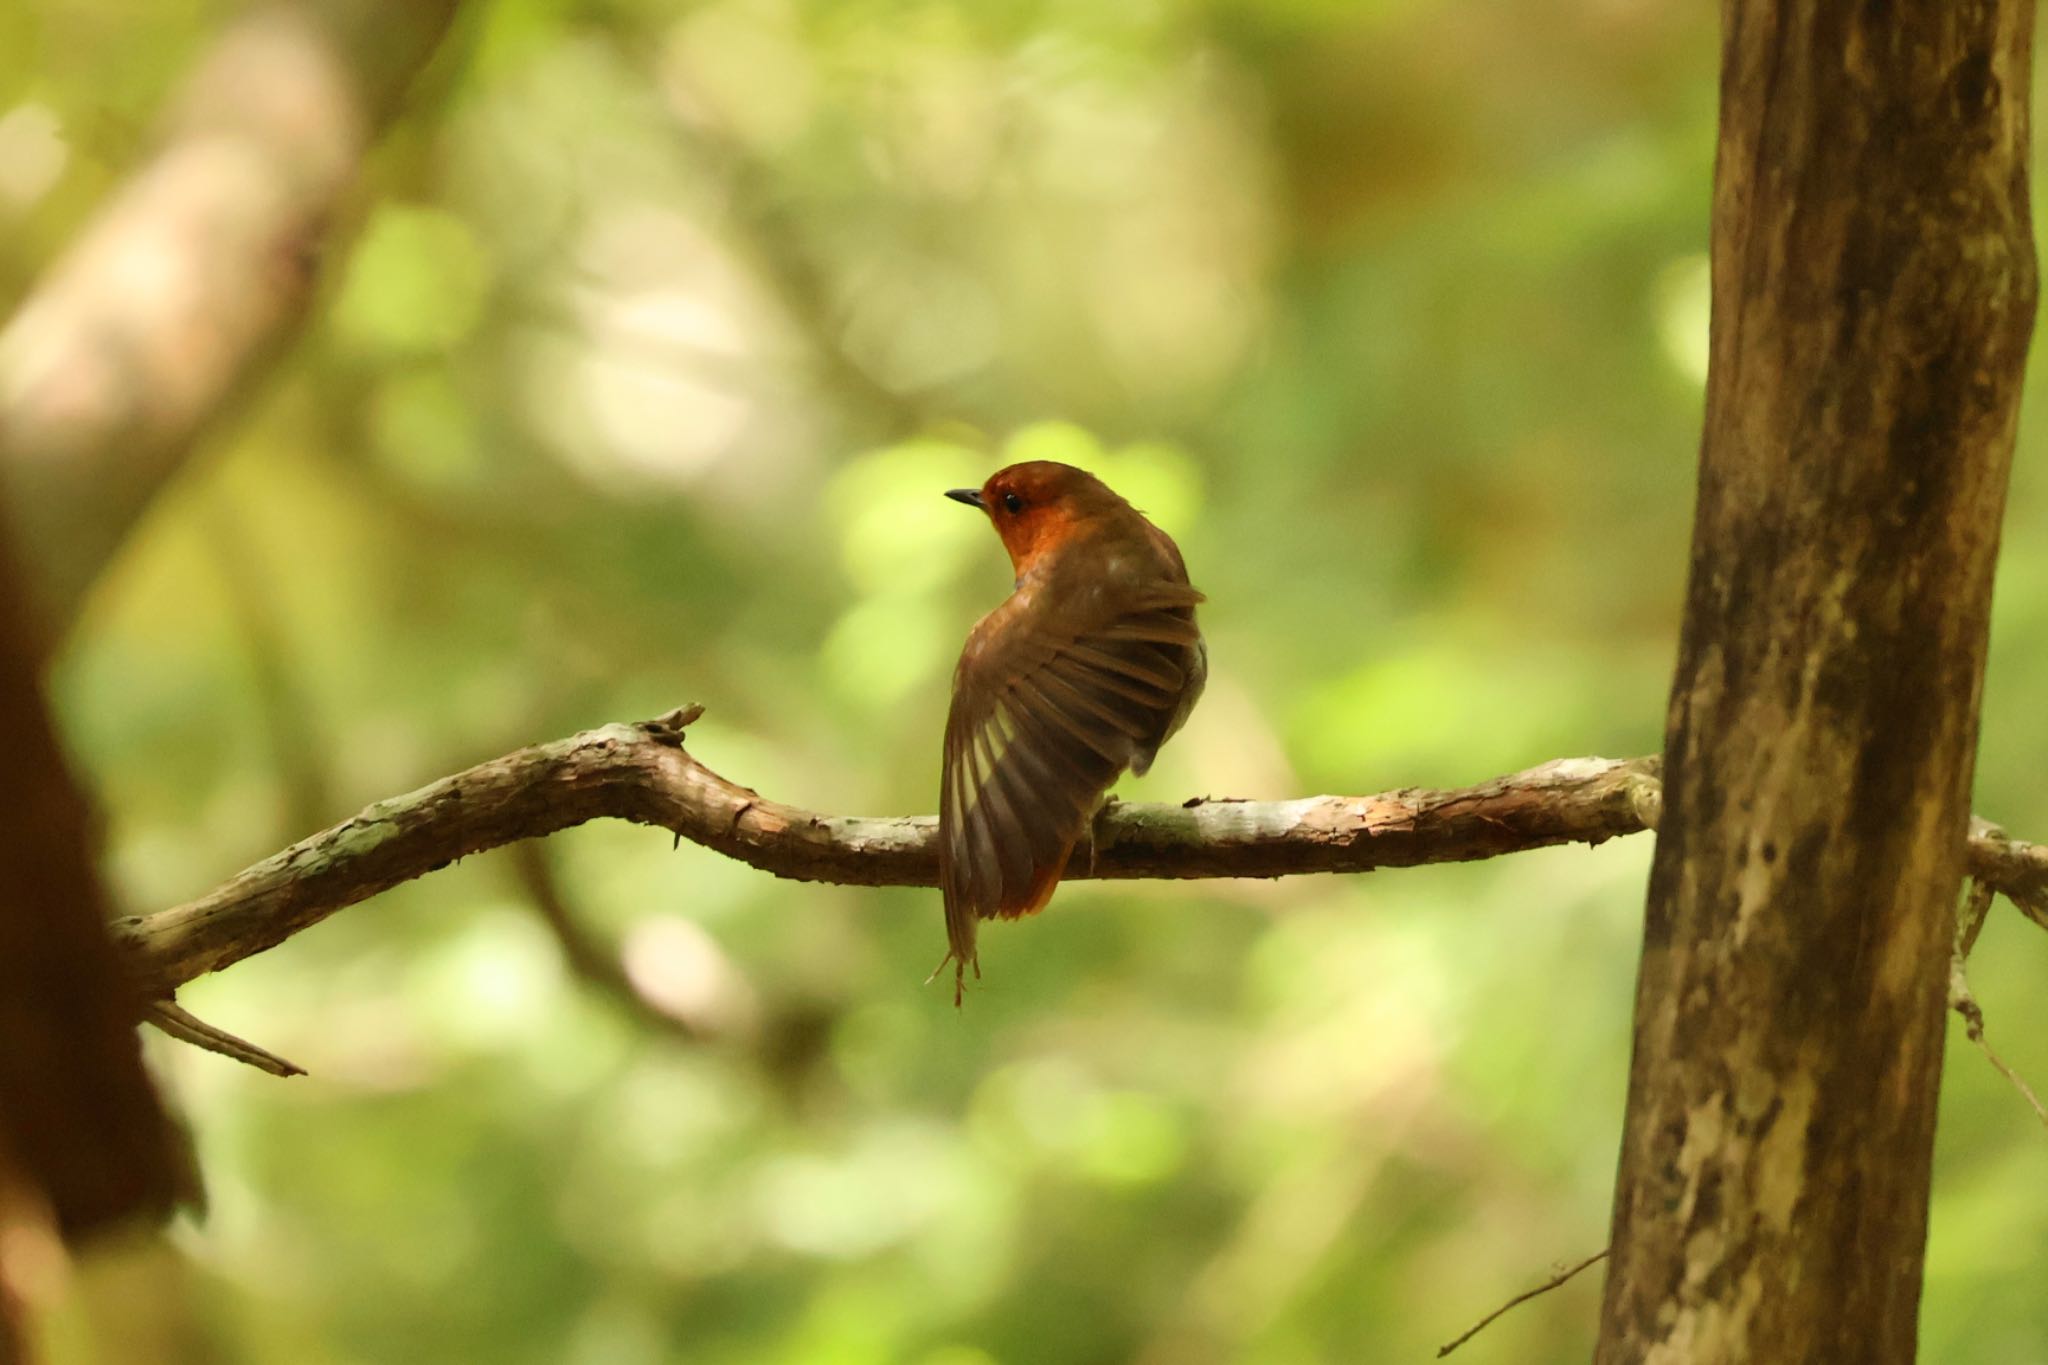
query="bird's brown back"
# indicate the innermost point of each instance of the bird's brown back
(1086, 669)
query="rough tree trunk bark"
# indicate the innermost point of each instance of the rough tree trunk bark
(1874, 286)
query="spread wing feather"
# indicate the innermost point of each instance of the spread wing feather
(1041, 725)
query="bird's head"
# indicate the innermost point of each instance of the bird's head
(1039, 506)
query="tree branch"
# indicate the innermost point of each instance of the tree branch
(193, 275)
(643, 774)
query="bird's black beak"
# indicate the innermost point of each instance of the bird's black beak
(970, 496)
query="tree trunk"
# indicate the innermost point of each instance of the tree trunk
(1873, 293)
(84, 1145)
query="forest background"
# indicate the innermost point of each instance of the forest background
(634, 371)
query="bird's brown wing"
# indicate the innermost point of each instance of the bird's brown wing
(1041, 725)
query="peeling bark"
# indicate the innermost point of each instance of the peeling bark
(1874, 285)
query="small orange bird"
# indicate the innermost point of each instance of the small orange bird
(1089, 666)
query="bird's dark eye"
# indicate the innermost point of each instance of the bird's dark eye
(1012, 504)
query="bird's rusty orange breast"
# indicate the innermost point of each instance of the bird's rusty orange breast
(1041, 530)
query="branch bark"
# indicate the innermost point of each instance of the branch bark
(642, 773)
(187, 284)
(1874, 286)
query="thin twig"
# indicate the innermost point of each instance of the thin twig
(1553, 1282)
(1969, 921)
(1973, 1025)
(187, 1027)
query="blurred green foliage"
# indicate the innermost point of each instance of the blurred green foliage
(664, 330)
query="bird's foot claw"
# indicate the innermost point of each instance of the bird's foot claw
(959, 974)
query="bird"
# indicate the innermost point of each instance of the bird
(1086, 669)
